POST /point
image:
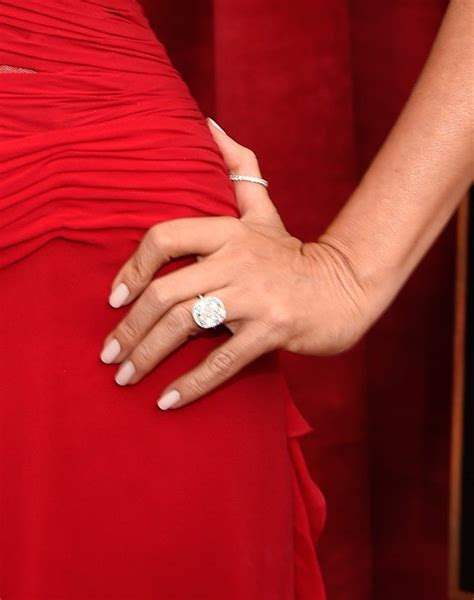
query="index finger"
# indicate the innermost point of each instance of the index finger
(161, 243)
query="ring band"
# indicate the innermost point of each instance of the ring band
(209, 311)
(249, 178)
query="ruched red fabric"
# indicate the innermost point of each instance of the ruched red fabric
(102, 495)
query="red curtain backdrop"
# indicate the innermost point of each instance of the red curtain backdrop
(313, 86)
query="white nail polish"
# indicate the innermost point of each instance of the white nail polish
(125, 373)
(119, 295)
(169, 399)
(111, 351)
(218, 127)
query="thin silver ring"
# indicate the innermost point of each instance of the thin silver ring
(249, 178)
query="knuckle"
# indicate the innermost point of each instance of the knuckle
(278, 319)
(157, 295)
(152, 234)
(221, 361)
(249, 156)
(143, 356)
(193, 384)
(155, 238)
(133, 275)
(179, 319)
(138, 268)
(127, 332)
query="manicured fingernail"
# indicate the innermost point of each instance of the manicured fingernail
(125, 373)
(169, 399)
(110, 352)
(119, 295)
(212, 122)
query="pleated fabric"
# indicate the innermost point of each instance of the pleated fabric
(101, 494)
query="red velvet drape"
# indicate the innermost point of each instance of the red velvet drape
(313, 86)
(409, 351)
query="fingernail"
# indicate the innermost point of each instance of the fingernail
(119, 295)
(110, 352)
(125, 373)
(212, 122)
(169, 399)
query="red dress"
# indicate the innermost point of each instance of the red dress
(102, 495)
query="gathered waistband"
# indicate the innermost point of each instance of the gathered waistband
(104, 136)
(54, 36)
(76, 63)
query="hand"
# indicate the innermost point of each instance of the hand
(279, 292)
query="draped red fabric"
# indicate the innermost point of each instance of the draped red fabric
(101, 494)
(313, 87)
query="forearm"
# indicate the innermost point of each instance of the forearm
(419, 176)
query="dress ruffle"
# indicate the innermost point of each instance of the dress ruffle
(309, 510)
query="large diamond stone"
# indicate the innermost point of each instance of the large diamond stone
(209, 311)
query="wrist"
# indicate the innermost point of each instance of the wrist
(372, 281)
(343, 304)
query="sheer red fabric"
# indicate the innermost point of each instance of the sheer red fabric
(101, 494)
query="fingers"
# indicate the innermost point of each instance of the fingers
(253, 199)
(161, 318)
(219, 366)
(167, 335)
(162, 295)
(235, 156)
(161, 243)
(176, 326)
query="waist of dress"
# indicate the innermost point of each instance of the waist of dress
(63, 36)
(31, 103)
(90, 152)
(96, 182)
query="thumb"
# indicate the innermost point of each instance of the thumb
(252, 198)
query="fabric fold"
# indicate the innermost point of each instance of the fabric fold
(309, 509)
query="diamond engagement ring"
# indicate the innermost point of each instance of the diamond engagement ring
(249, 178)
(209, 311)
